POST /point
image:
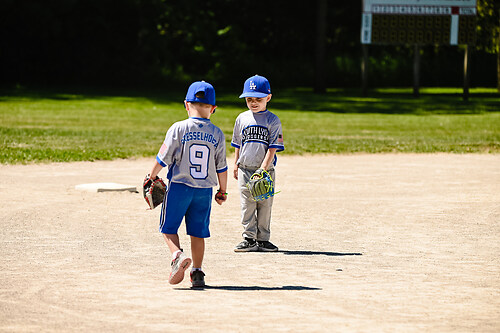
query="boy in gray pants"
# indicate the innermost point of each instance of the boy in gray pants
(257, 136)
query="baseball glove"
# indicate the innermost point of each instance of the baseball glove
(154, 191)
(261, 185)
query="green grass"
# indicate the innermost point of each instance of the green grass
(44, 126)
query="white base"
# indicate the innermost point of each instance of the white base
(105, 187)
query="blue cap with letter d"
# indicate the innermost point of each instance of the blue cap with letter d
(256, 86)
(201, 92)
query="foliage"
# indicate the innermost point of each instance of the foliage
(488, 29)
(150, 43)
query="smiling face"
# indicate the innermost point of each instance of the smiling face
(257, 104)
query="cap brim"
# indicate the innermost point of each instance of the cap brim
(253, 94)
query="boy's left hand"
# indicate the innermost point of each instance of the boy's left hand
(220, 197)
(153, 191)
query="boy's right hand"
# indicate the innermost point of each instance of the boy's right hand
(235, 172)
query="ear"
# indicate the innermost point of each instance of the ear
(269, 97)
(186, 105)
(212, 110)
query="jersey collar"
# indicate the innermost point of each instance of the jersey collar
(199, 118)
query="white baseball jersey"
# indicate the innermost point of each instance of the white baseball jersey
(195, 151)
(254, 133)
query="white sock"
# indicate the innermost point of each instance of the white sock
(174, 255)
(195, 269)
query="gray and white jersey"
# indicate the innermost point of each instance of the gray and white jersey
(254, 133)
(195, 151)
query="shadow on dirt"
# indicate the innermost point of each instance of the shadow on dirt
(319, 253)
(253, 288)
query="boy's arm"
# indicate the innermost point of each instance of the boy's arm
(222, 181)
(156, 169)
(222, 187)
(268, 159)
(236, 158)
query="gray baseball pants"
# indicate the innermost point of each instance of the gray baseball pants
(255, 215)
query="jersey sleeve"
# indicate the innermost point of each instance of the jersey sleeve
(276, 140)
(236, 140)
(220, 154)
(170, 148)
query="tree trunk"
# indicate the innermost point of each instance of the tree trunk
(498, 66)
(320, 72)
(416, 71)
(466, 74)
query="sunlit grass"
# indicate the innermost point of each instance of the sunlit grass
(60, 126)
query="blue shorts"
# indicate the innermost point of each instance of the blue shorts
(193, 204)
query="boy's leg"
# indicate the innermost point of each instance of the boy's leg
(264, 208)
(197, 227)
(175, 204)
(173, 242)
(264, 219)
(248, 217)
(197, 251)
(248, 205)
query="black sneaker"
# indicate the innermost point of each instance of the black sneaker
(248, 245)
(197, 279)
(267, 246)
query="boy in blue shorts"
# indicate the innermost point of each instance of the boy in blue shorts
(194, 152)
(257, 136)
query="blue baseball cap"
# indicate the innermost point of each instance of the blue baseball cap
(256, 86)
(201, 92)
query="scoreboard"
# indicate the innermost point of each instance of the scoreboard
(449, 22)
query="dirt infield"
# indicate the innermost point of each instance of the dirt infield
(368, 243)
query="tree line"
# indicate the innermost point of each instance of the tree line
(145, 43)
